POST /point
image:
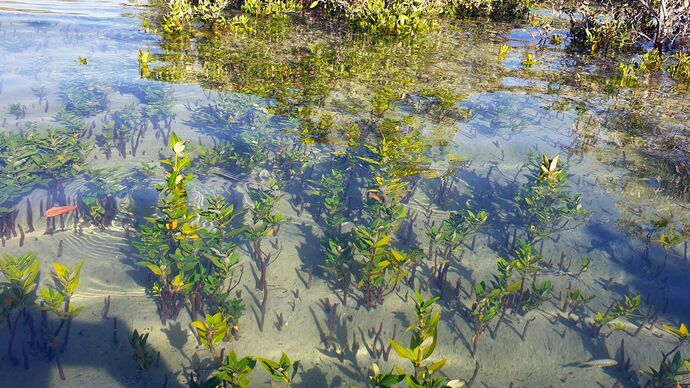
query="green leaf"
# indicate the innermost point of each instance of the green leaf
(173, 140)
(403, 351)
(155, 269)
(435, 367)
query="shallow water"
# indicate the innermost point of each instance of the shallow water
(624, 150)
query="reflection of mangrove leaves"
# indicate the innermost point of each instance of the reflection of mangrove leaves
(297, 73)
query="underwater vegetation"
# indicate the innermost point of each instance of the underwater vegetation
(343, 138)
(31, 160)
(84, 99)
(97, 201)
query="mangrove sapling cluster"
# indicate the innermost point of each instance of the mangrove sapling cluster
(546, 207)
(192, 265)
(395, 18)
(235, 372)
(422, 345)
(509, 290)
(266, 223)
(18, 297)
(394, 172)
(182, 15)
(366, 251)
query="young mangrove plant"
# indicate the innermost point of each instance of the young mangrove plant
(627, 308)
(211, 332)
(266, 223)
(233, 372)
(446, 241)
(422, 345)
(544, 203)
(192, 265)
(141, 351)
(395, 169)
(36, 159)
(336, 243)
(509, 290)
(671, 371)
(17, 295)
(58, 300)
(98, 201)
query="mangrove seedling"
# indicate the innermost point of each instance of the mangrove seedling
(422, 345)
(669, 372)
(575, 301)
(528, 61)
(233, 372)
(141, 352)
(18, 293)
(446, 241)
(625, 308)
(97, 203)
(211, 332)
(57, 299)
(266, 223)
(545, 205)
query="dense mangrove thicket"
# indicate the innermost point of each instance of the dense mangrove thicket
(600, 25)
(374, 16)
(609, 25)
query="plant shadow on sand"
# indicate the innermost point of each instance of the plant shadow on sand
(96, 352)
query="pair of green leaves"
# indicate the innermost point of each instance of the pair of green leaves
(284, 370)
